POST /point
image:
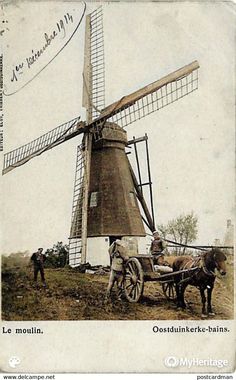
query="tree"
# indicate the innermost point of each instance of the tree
(182, 229)
(164, 230)
(57, 256)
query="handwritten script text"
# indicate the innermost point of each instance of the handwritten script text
(36, 54)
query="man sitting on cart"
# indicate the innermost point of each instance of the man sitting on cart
(157, 248)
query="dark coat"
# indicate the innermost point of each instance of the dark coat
(157, 246)
(38, 259)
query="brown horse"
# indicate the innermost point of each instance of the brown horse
(202, 277)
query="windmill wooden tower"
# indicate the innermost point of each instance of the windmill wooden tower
(106, 190)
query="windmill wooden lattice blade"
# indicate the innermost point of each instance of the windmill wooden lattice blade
(152, 97)
(97, 62)
(78, 232)
(93, 101)
(75, 243)
(94, 65)
(56, 136)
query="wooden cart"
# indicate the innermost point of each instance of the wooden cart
(140, 269)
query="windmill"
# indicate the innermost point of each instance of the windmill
(107, 193)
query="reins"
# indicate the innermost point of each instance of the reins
(198, 264)
(192, 267)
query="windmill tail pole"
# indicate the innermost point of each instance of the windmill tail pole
(141, 199)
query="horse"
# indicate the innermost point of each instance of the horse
(202, 277)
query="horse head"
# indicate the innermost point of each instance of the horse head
(214, 259)
(220, 260)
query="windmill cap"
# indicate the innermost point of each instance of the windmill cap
(155, 232)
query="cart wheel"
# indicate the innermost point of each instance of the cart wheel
(134, 281)
(169, 290)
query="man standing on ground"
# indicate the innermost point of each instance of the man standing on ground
(119, 256)
(38, 259)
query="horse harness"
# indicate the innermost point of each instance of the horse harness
(204, 268)
(196, 265)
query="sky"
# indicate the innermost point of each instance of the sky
(191, 142)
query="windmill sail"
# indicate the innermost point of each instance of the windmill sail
(76, 243)
(75, 248)
(94, 65)
(151, 98)
(97, 63)
(93, 101)
(56, 136)
(128, 109)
